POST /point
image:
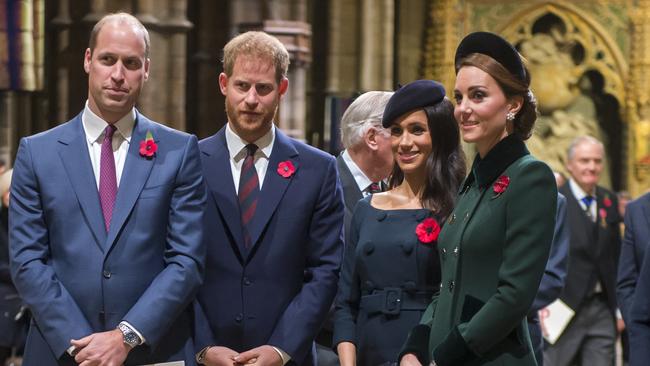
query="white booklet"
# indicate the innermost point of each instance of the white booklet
(554, 319)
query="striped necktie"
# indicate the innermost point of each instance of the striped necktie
(249, 189)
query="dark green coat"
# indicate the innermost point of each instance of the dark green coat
(493, 251)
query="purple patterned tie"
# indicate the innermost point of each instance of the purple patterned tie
(107, 176)
(249, 188)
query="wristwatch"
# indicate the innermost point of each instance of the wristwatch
(129, 336)
(200, 357)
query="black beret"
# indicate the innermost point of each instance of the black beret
(494, 46)
(415, 95)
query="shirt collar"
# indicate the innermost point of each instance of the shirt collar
(236, 144)
(578, 192)
(361, 179)
(504, 153)
(94, 126)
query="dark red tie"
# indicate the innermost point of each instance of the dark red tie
(249, 189)
(107, 176)
(374, 188)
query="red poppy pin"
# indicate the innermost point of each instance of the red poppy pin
(286, 168)
(607, 202)
(500, 185)
(428, 230)
(148, 146)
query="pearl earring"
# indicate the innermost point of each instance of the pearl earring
(510, 117)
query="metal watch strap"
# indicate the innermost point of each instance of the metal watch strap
(129, 336)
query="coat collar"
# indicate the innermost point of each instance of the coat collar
(504, 153)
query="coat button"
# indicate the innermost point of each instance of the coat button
(444, 253)
(407, 248)
(452, 218)
(381, 216)
(247, 282)
(239, 317)
(451, 286)
(456, 251)
(106, 274)
(466, 216)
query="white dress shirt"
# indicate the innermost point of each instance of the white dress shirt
(237, 152)
(363, 182)
(94, 128)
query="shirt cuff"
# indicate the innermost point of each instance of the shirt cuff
(619, 315)
(72, 350)
(142, 340)
(283, 355)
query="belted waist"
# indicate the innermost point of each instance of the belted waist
(393, 300)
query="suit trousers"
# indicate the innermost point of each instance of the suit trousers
(588, 340)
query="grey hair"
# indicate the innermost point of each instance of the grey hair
(581, 140)
(365, 112)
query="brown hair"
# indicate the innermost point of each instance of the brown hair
(259, 45)
(123, 18)
(511, 87)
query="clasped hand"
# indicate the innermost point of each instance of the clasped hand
(101, 349)
(224, 356)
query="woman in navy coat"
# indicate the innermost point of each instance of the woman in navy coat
(391, 267)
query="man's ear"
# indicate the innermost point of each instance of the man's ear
(147, 62)
(87, 60)
(223, 83)
(284, 85)
(370, 138)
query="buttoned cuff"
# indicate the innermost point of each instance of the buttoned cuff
(72, 351)
(142, 340)
(283, 355)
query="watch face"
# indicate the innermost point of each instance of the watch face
(131, 338)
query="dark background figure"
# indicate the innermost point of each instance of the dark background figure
(590, 289)
(632, 288)
(553, 279)
(391, 266)
(274, 221)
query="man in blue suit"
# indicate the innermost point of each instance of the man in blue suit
(633, 287)
(106, 220)
(274, 221)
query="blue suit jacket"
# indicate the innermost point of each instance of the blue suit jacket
(79, 279)
(634, 279)
(279, 291)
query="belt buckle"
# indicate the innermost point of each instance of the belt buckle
(392, 300)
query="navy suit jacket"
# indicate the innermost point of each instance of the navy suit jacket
(634, 279)
(79, 279)
(279, 291)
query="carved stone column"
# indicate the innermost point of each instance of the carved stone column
(638, 101)
(377, 32)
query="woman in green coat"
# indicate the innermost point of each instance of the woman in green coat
(495, 244)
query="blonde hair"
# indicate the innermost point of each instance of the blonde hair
(258, 45)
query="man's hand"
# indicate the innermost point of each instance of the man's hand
(219, 356)
(262, 355)
(409, 359)
(101, 349)
(620, 325)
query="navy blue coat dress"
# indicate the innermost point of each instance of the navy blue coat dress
(387, 280)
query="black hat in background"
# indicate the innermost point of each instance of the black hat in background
(414, 95)
(494, 46)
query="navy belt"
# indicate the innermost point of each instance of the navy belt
(393, 300)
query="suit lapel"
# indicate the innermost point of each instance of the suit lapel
(218, 177)
(73, 150)
(134, 175)
(585, 238)
(274, 185)
(645, 207)
(351, 191)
